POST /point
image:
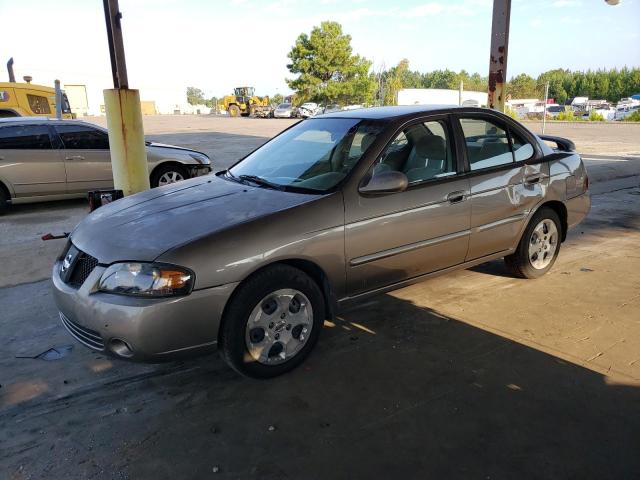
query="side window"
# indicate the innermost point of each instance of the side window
(522, 150)
(38, 104)
(487, 144)
(79, 137)
(422, 152)
(25, 137)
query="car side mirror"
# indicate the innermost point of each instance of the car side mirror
(385, 182)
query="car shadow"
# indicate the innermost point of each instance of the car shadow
(392, 389)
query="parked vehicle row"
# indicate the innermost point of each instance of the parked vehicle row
(45, 159)
(334, 209)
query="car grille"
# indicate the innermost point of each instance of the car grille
(86, 336)
(82, 268)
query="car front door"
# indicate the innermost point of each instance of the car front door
(85, 151)
(394, 237)
(29, 163)
(504, 187)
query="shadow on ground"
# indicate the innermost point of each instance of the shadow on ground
(392, 390)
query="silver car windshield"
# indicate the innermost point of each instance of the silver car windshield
(315, 154)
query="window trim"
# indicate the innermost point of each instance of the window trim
(507, 126)
(455, 150)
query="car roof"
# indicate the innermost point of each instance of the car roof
(53, 121)
(388, 113)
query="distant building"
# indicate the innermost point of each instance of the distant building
(441, 96)
(78, 100)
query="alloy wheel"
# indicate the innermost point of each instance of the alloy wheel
(279, 326)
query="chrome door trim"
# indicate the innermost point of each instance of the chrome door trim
(504, 221)
(349, 301)
(406, 248)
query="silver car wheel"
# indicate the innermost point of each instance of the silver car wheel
(543, 244)
(169, 177)
(279, 326)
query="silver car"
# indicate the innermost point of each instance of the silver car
(43, 159)
(334, 209)
(284, 110)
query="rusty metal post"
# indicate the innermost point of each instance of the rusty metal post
(58, 91)
(124, 115)
(498, 57)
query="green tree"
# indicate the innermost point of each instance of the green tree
(276, 99)
(195, 96)
(523, 86)
(327, 70)
(394, 81)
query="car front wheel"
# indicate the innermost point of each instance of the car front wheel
(272, 322)
(167, 174)
(538, 247)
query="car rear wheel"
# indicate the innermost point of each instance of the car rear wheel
(538, 247)
(167, 174)
(272, 323)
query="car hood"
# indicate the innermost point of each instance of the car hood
(163, 146)
(143, 226)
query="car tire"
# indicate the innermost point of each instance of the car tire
(4, 201)
(539, 246)
(167, 174)
(286, 310)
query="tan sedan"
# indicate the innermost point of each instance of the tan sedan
(335, 209)
(43, 159)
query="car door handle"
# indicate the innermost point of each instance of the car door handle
(533, 179)
(75, 157)
(456, 197)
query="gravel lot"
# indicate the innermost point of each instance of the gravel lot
(475, 374)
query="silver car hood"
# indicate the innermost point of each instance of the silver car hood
(143, 226)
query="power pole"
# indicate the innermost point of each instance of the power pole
(544, 112)
(124, 115)
(498, 55)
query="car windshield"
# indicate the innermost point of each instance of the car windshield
(284, 105)
(314, 155)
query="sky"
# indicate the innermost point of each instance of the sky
(216, 45)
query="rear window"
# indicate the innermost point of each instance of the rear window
(284, 105)
(38, 104)
(25, 137)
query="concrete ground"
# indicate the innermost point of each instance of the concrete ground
(474, 374)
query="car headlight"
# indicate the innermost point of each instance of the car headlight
(146, 280)
(200, 158)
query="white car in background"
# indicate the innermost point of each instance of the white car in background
(308, 109)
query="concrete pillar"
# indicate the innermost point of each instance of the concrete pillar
(126, 140)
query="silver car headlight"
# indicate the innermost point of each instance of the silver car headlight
(200, 158)
(146, 280)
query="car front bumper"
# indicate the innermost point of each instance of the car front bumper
(141, 329)
(198, 170)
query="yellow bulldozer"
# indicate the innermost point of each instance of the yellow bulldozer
(245, 102)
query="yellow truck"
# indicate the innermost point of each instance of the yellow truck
(26, 99)
(245, 102)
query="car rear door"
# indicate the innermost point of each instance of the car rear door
(504, 185)
(85, 150)
(28, 161)
(394, 237)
